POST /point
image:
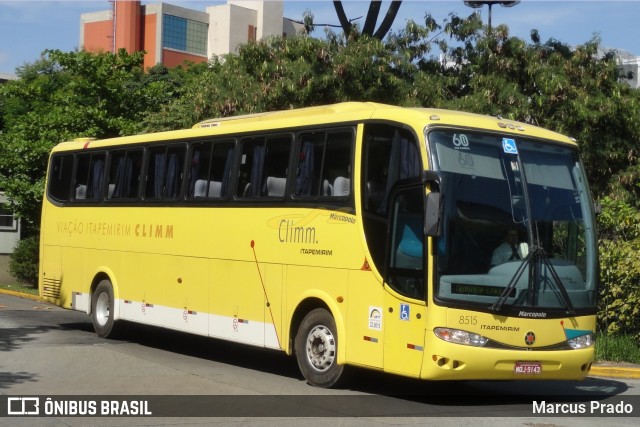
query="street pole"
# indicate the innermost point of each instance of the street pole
(490, 3)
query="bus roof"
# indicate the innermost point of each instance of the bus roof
(346, 112)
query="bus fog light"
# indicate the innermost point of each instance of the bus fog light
(583, 341)
(457, 336)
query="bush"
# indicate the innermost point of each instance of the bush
(619, 305)
(23, 262)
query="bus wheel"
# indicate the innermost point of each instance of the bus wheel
(102, 312)
(316, 349)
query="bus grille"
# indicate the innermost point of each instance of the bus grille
(51, 288)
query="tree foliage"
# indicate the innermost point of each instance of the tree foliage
(619, 304)
(66, 95)
(23, 263)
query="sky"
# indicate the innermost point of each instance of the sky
(28, 27)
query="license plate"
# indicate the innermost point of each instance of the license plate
(528, 368)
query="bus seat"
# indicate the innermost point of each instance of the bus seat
(341, 186)
(276, 186)
(81, 191)
(110, 191)
(215, 189)
(327, 188)
(247, 190)
(200, 188)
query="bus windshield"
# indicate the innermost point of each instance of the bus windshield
(517, 228)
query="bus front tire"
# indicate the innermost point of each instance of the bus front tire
(102, 310)
(316, 347)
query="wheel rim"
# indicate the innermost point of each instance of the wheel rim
(321, 348)
(102, 309)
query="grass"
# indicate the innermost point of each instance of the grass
(621, 348)
(20, 287)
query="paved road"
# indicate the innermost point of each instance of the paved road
(45, 350)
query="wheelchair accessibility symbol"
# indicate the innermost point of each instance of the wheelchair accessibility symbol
(509, 146)
(404, 312)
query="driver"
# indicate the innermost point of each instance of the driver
(510, 249)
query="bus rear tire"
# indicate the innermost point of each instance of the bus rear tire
(102, 310)
(316, 347)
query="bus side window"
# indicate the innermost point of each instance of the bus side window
(61, 171)
(309, 169)
(324, 164)
(125, 167)
(389, 154)
(338, 163)
(210, 169)
(263, 167)
(406, 246)
(165, 172)
(199, 169)
(89, 176)
(250, 167)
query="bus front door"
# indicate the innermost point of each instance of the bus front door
(404, 283)
(404, 335)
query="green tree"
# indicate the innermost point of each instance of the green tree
(284, 73)
(619, 304)
(63, 96)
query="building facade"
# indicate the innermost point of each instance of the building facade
(171, 35)
(9, 227)
(630, 65)
(4, 77)
(9, 222)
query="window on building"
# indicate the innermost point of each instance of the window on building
(8, 221)
(184, 34)
(253, 33)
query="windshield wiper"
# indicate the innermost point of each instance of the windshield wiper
(564, 296)
(497, 306)
(536, 254)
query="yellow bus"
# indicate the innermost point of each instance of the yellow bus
(354, 234)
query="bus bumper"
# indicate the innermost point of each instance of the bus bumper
(448, 361)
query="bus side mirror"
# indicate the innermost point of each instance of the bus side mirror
(432, 214)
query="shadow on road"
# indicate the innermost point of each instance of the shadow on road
(373, 382)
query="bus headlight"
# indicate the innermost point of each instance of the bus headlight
(457, 336)
(582, 341)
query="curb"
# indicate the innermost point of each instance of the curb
(21, 295)
(595, 371)
(614, 372)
